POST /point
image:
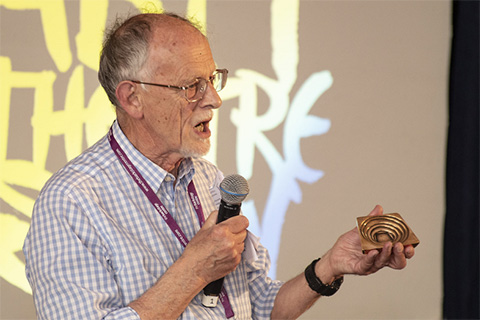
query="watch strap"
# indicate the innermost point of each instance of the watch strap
(317, 285)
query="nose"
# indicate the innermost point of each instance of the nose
(211, 98)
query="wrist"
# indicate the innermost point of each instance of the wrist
(324, 269)
(192, 269)
(319, 285)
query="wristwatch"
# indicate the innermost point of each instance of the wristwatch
(317, 285)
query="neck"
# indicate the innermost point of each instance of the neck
(142, 141)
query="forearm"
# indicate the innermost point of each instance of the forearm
(171, 294)
(215, 251)
(295, 296)
(293, 299)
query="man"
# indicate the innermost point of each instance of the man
(116, 234)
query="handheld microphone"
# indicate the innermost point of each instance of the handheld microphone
(233, 189)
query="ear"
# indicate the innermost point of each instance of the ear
(128, 95)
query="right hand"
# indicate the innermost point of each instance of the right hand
(216, 250)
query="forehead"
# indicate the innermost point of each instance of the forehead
(179, 50)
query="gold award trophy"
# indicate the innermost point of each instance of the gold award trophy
(376, 230)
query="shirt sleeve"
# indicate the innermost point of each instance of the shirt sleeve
(263, 289)
(67, 264)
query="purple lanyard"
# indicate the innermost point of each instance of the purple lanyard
(162, 210)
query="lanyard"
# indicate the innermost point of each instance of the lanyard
(162, 210)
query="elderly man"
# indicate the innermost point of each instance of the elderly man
(128, 229)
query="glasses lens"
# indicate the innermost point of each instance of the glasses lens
(196, 91)
(219, 79)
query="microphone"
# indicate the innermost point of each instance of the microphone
(233, 190)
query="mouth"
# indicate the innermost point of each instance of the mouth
(202, 128)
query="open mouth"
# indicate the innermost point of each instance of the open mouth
(202, 127)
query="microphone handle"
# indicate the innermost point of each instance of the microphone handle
(225, 211)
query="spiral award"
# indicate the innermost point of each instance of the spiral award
(375, 231)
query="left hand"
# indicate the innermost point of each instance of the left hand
(346, 256)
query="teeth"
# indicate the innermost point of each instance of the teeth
(200, 127)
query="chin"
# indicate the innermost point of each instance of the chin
(198, 150)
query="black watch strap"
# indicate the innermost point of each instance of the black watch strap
(317, 285)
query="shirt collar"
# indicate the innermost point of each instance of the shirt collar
(151, 172)
(186, 170)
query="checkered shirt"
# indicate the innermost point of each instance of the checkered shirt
(96, 243)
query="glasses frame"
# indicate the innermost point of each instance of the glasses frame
(223, 72)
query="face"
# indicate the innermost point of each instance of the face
(175, 125)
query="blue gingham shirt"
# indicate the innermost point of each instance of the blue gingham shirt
(96, 243)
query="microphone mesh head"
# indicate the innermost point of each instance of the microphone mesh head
(234, 189)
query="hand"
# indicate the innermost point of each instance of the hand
(216, 250)
(346, 255)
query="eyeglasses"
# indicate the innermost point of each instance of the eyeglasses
(196, 90)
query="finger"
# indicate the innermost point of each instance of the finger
(371, 257)
(384, 256)
(236, 224)
(409, 251)
(377, 211)
(398, 260)
(240, 247)
(211, 219)
(239, 240)
(367, 262)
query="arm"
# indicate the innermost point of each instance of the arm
(345, 257)
(70, 276)
(68, 268)
(213, 253)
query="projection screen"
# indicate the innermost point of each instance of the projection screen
(331, 107)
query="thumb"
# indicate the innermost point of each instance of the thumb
(211, 219)
(377, 211)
